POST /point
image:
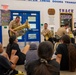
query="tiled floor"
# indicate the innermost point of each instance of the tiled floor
(21, 68)
(67, 73)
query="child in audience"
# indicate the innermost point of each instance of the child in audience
(31, 55)
(62, 53)
(13, 49)
(44, 65)
(7, 67)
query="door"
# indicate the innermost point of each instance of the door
(33, 18)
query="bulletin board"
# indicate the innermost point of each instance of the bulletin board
(4, 20)
(0, 17)
(5, 17)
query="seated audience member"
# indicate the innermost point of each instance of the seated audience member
(72, 57)
(13, 59)
(13, 49)
(62, 53)
(31, 55)
(44, 65)
(7, 67)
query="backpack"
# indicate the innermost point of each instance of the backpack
(72, 57)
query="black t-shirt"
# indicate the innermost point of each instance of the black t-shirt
(15, 46)
(5, 65)
(30, 68)
(21, 55)
(63, 50)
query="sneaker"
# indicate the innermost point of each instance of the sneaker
(20, 73)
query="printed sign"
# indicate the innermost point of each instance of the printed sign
(66, 10)
(31, 36)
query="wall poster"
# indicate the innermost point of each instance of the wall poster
(0, 17)
(5, 17)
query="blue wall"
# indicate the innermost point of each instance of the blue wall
(1, 34)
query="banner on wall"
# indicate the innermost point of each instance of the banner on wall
(35, 0)
(5, 17)
(70, 2)
(64, 1)
(53, 1)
